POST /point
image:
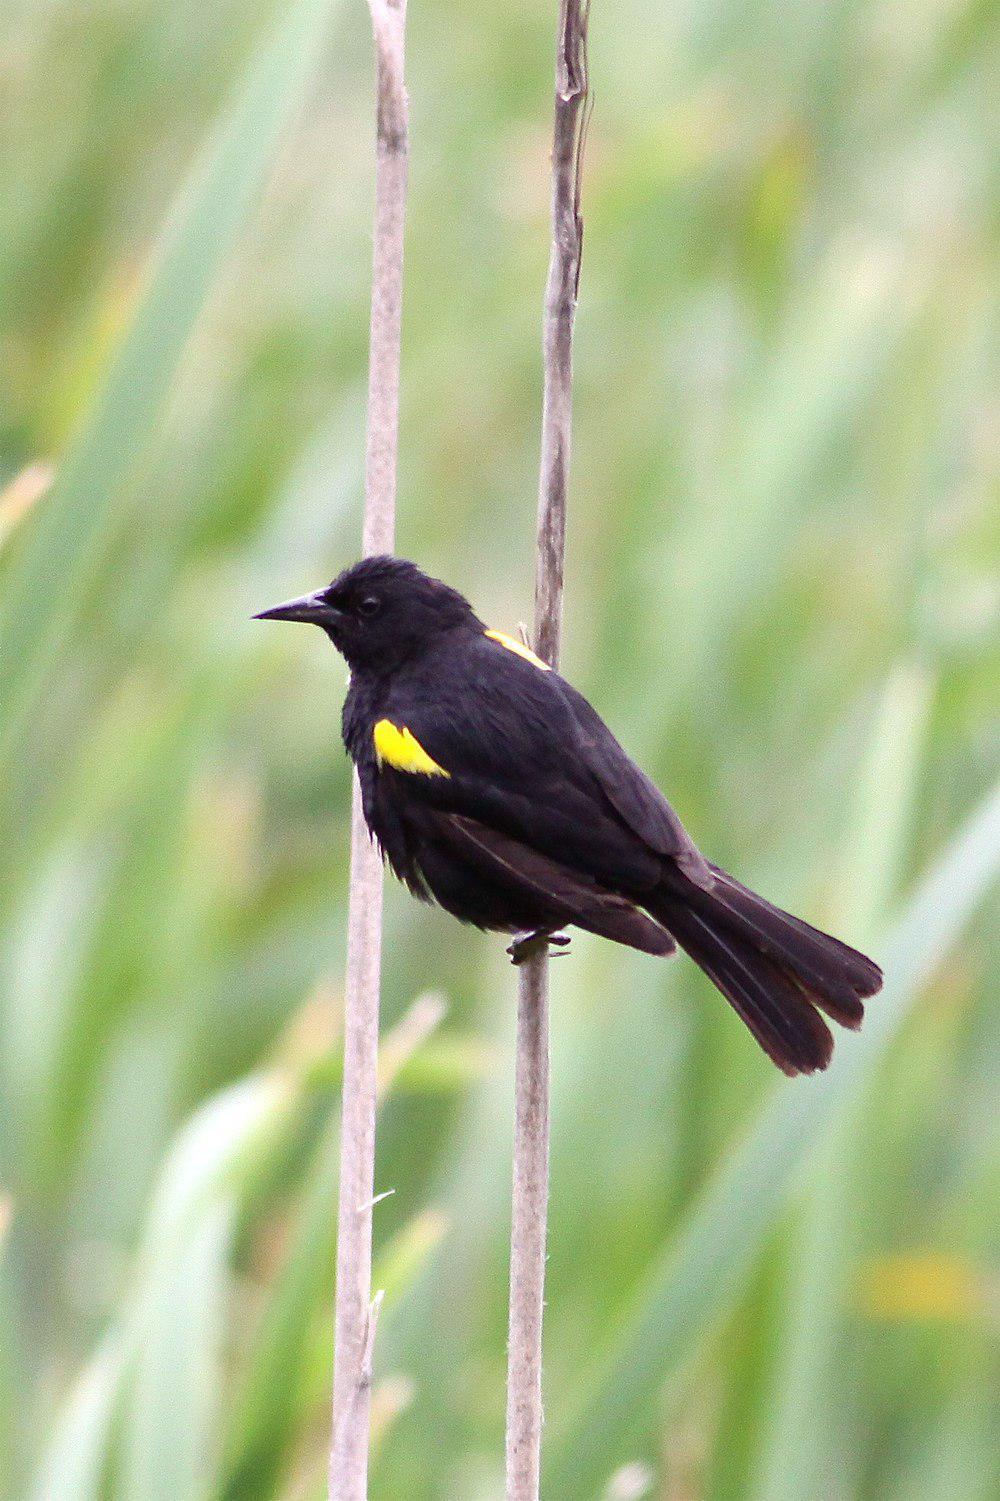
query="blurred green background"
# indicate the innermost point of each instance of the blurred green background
(782, 591)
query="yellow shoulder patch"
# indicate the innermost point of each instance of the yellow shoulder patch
(519, 649)
(401, 750)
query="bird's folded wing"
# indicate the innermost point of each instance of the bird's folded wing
(522, 751)
(635, 798)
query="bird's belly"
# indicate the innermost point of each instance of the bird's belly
(421, 854)
(472, 897)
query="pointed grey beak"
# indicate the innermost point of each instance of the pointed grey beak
(312, 608)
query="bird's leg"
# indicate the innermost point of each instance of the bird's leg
(527, 945)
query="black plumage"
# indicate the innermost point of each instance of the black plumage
(495, 789)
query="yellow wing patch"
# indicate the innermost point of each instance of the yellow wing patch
(400, 749)
(519, 648)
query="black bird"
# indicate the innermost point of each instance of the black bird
(495, 789)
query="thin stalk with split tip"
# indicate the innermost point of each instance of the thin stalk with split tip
(531, 1085)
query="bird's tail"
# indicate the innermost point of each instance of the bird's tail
(776, 971)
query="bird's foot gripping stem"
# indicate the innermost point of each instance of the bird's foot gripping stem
(538, 941)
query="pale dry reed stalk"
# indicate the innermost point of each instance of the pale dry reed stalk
(531, 1087)
(356, 1312)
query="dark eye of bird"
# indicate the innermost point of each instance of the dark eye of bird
(370, 605)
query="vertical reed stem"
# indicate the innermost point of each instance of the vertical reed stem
(531, 1086)
(355, 1312)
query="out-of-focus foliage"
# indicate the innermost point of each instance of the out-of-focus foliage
(782, 592)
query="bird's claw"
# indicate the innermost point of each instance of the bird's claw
(527, 945)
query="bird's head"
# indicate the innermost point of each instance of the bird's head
(380, 612)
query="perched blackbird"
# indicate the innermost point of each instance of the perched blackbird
(495, 789)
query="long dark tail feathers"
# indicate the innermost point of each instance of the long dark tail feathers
(775, 970)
